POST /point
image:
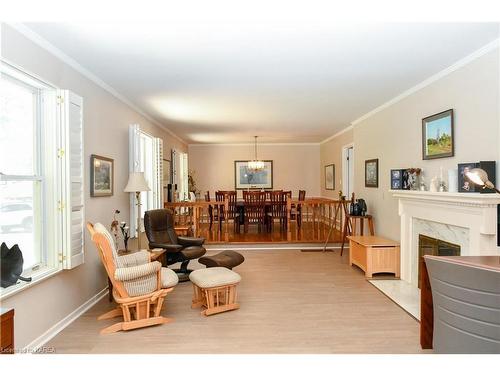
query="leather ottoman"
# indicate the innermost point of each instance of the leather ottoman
(226, 258)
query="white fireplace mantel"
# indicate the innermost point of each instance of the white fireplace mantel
(473, 213)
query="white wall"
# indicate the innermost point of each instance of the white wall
(394, 134)
(294, 166)
(106, 121)
(331, 153)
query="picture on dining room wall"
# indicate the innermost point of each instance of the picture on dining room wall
(246, 178)
(371, 173)
(437, 136)
(330, 177)
(101, 176)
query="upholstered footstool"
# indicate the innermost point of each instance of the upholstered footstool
(215, 289)
(227, 259)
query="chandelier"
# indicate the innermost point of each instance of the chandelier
(255, 165)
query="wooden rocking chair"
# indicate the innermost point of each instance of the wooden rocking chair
(139, 285)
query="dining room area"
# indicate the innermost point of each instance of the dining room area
(273, 216)
(256, 192)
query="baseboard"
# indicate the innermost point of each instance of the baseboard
(268, 246)
(59, 326)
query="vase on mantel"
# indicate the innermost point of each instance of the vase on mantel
(452, 180)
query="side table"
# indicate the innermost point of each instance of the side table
(6, 331)
(374, 254)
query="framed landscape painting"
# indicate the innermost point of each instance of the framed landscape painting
(371, 173)
(437, 135)
(330, 177)
(101, 176)
(244, 178)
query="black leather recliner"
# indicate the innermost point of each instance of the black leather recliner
(160, 231)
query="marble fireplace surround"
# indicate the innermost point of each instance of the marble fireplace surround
(465, 219)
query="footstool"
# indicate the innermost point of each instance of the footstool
(215, 289)
(227, 259)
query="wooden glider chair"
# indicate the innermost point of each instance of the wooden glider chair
(139, 285)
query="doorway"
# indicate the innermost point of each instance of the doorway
(348, 170)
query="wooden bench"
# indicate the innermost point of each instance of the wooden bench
(374, 254)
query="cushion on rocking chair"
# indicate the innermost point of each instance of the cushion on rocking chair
(168, 278)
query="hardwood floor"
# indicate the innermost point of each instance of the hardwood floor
(291, 302)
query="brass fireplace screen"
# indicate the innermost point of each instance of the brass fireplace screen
(433, 246)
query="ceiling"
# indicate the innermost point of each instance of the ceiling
(223, 83)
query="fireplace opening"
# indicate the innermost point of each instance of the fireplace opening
(433, 246)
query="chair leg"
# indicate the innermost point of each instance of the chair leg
(184, 267)
(344, 235)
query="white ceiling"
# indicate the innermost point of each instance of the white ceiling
(221, 83)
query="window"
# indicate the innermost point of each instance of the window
(146, 155)
(41, 174)
(22, 182)
(180, 168)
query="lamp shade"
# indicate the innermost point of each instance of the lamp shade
(136, 182)
(479, 177)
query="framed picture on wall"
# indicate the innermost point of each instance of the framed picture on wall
(371, 173)
(330, 177)
(437, 136)
(245, 178)
(397, 179)
(101, 176)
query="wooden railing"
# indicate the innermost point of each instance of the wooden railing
(316, 216)
(309, 220)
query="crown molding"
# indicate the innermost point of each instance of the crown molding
(49, 47)
(345, 130)
(253, 144)
(457, 65)
(443, 73)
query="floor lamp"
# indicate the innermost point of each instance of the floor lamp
(136, 184)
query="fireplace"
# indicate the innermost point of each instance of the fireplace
(434, 246)
(467, 220)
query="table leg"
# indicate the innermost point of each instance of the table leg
(370, 224)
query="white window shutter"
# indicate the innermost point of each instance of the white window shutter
(134, 166)
(70, 173)
(158, 175)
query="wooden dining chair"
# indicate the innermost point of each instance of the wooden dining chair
(277, 210)
(296, 210)
(232, 211)
(255, 204)
(218, 208)
(210, 209)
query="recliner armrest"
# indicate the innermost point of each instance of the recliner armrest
(170, 247)
(190, 241)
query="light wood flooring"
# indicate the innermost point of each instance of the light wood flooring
(291, 302)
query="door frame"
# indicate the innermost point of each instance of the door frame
(345, 171)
